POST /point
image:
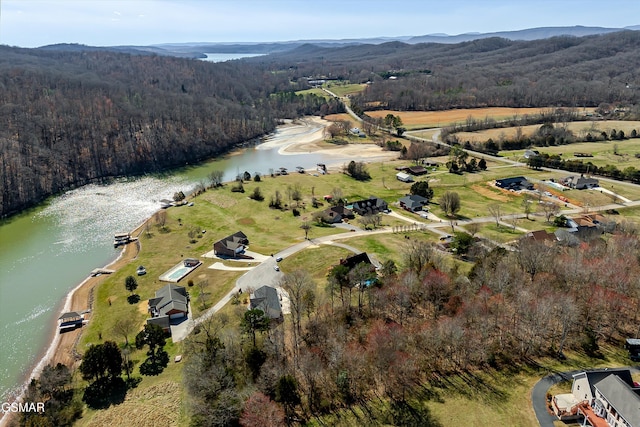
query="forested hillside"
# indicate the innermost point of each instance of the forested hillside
(70, 118)
(560, 71)
(73, 116)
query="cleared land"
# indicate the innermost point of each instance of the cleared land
(579, 129)
(345, 89)
(604, 152)
(430, 119)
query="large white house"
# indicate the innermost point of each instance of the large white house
(601, 397)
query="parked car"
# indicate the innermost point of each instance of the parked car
(141, 271)
(279, 259)
(276, 268)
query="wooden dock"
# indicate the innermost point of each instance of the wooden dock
(98, 271)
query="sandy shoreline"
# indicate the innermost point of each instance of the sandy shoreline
(305, 136)
(62, 347)
(302, 136)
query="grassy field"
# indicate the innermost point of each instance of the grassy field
(579, 129)
(315, 91)
(604, 153)
(345, 89)
(432, 119)
(488, 397)
(221, 212)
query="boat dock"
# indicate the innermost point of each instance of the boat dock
(98, 271)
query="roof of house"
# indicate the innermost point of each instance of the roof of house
(585, 180)
(541, 236)
(633, 341)
(354, 260)
(413, 201)
(510, 181)
(403, 175)
(597, 375)
(170, 297)
(234, 241)
(622, 397)
(341, 209)
(417, 170)
(266, 299)
(372, 204)
(162, 321)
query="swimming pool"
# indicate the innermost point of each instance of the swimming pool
(177, 272)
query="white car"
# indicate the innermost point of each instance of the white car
(276, 268)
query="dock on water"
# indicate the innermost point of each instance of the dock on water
(99, 271)
(71, 320)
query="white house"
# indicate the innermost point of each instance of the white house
(598, 396)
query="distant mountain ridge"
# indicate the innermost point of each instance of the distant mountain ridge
(528, 34)
(199, 49)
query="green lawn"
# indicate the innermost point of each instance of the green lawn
(604, 153)
(488, 397)
(315, 91)
(221, 212)
(344, 89)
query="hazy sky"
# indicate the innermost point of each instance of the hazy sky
(32, 23)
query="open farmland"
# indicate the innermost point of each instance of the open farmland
(579, 129)
(602, 152)
(345, 89)
(339, 117)
(430, 119)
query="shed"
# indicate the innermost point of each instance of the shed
(404, 177)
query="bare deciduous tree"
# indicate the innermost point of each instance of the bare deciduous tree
(495, 211)
(450, 203)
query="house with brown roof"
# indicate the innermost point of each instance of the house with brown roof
(231, 246)
(541, 236)
(336, 214)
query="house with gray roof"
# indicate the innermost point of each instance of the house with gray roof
(616, 402)
(514, 183)
(266, 298)
(171, 302)
(580, 182)
(601, 397)
(413, 202)
(370, 206)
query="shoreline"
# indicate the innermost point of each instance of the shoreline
(61, 346)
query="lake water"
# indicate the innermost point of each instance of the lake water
(222, 57)
(47, 251)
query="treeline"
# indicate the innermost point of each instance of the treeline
(554, 161)
(70, 118)
(560, 71)
(379, 347)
